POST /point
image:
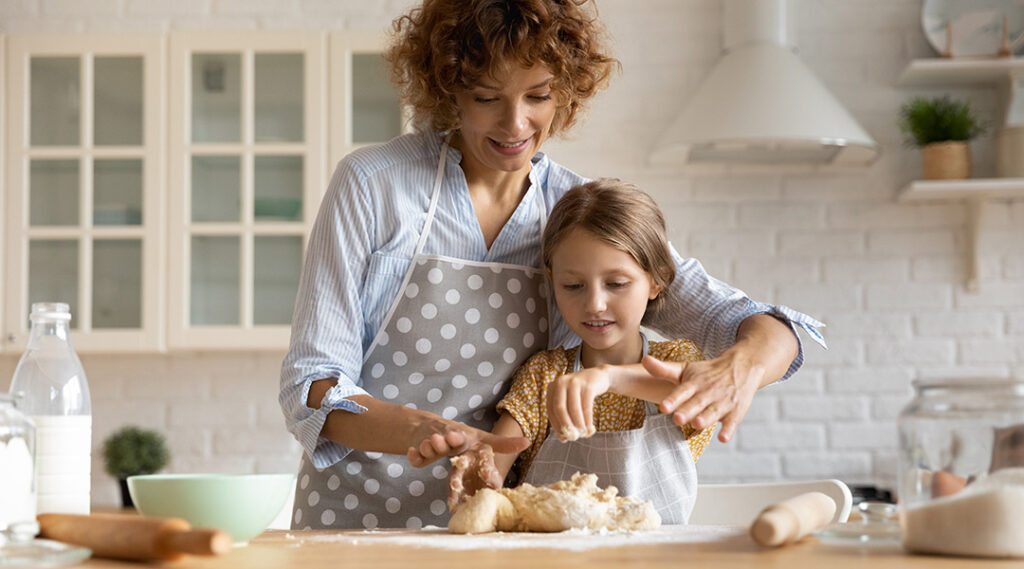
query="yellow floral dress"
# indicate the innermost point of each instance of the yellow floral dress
(526, 400)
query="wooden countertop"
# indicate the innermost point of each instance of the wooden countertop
(694, 546)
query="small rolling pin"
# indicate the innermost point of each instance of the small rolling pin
(133, 537)
(792, 519)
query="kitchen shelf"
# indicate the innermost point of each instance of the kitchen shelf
(975, 193)
(937, 72)
(1004, 73)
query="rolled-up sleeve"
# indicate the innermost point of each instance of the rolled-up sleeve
(327, 326)
(709, 312)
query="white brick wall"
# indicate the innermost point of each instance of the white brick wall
(887, 278)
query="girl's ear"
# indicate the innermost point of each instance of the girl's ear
(655, 291)
(547, 271)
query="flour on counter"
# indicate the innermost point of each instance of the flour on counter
(572, 540)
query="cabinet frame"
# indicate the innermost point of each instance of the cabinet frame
(152, 49)
(313, 46)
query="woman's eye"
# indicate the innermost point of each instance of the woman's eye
(541, 97)
(484, 99)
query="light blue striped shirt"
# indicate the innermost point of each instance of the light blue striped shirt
(363, 241)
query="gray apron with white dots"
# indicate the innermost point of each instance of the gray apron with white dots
(450, 344)
(650, 463)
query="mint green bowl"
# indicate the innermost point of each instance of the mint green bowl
(242, 505)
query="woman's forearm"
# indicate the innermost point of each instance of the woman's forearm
(768, 343)
(383, 427)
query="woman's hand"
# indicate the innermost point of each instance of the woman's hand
(570, 401)
(456, 438)
(722, 389)
(472, 471)
(708, 391)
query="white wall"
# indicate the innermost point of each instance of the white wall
(886, 278)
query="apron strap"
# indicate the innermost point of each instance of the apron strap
(434, 194)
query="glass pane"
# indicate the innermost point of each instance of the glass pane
(53, 192)
(118, 100)
(278, 262)
(278, 186)
(215, 280)
(55, 101)
(278, 97)
(376, 112)
(53, 273)
(216, 188)
(117, 192)
(216, 97)
(117, 283)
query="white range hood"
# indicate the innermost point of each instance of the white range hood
(760, 104)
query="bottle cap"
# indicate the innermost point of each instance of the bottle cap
(51, 310)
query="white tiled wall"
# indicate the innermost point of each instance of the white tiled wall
(886, 278)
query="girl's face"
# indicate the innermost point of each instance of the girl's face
(602, 294)
(506, 119)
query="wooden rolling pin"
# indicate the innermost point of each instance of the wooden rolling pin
(133, 537)
(793, 519)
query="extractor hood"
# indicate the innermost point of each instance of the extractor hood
(761, 104)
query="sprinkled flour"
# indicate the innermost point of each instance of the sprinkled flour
(572, 540)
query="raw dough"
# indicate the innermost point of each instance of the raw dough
(569, 504)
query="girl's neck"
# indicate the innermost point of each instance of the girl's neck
(624, 353)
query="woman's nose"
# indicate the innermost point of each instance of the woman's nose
(515, 118)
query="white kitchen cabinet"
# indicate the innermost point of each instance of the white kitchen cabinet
(85, 152)
(3, 136)
(365, 106)
(248, 124)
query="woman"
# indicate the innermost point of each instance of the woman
(422, 292)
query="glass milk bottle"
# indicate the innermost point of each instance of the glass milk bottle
(17, 482)
(53, 391)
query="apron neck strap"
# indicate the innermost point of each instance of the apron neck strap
(435, 192)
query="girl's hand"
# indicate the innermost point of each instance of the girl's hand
(709, 391)
(472, 471)
(456, 439)
(570, 401)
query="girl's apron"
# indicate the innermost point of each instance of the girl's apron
(450, 343)
(651, 463)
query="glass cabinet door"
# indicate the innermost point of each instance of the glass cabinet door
(85, 164)
(365, 106)
(247, 170)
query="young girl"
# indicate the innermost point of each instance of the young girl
(607, 258)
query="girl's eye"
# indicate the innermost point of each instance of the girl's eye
(618, 284)
(573, 286)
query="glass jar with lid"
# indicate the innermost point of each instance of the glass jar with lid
(961, 469)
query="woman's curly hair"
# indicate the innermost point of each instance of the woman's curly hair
(445, 47)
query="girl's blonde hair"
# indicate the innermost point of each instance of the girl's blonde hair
(445, 47)
(620, 214)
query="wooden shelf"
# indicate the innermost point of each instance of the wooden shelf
(942, 72)
(979, 188)
(975, 193)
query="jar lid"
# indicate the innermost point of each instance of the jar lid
(967, 382)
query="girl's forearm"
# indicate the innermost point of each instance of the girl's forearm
(635, 381)
(506, 426)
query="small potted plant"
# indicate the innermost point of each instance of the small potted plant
(941, 128)
(133, 450)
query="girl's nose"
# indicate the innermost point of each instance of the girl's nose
(596, 301)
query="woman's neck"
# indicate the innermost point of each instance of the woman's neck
(626, 352)
(495, 194)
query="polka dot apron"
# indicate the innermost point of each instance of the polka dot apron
(450, 343)
(652, 463)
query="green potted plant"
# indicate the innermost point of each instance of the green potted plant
(133, 450)
(941, 128)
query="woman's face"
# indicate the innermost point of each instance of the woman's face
(602, 294)
(505, 119)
